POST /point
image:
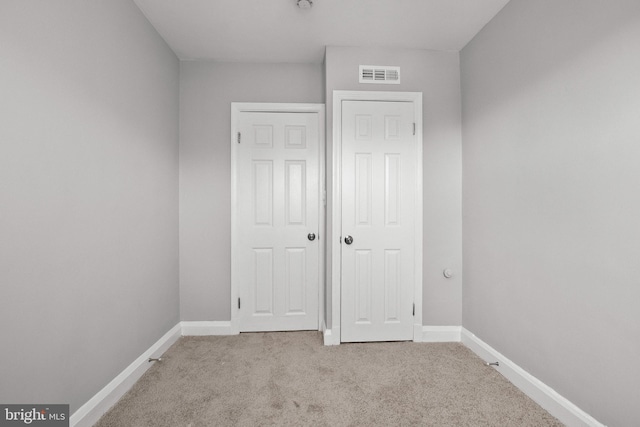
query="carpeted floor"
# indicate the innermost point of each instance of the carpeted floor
(291, 379)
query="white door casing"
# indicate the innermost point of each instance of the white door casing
(276, 208)
(378, 179)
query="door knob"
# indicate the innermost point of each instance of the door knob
(311, 236)
(348, 240)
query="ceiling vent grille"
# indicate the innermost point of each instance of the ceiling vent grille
(379, 74)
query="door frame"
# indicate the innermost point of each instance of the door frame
(255, 107)
(334, 337)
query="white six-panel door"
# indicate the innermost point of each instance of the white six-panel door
(277, 194)
(378, 233)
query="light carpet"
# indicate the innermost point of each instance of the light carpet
(291, 379)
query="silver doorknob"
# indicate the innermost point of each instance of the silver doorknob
(348, 240)
(311, 236)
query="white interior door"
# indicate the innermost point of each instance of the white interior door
(277, 164)
(378, 237)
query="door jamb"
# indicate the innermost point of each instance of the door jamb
(241, 107)
(336, 212)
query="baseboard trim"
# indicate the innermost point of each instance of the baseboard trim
(542, 394)
(331, 337)
(89, 413)
(207, 328)
(440, 334)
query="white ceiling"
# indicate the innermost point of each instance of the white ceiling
(279, 31)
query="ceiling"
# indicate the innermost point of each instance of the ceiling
(279, 31)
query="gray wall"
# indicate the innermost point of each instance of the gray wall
(437, 76)
(88, 195)
(206, 92)
(551, 196)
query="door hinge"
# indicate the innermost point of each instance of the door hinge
(239, 136)
(414, 128)
(414, 309)
(238, 303)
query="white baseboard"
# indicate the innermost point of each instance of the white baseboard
(542, 394)
(89, 413)
(439, 334)
(207, 328)
(331, 337)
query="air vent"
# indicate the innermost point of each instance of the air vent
(379, 74)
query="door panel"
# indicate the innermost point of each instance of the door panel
(262, 193)
(295, 192)
(295, 265)
(263, 283)
(277, 204)
(392, 285)
(378, 188)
